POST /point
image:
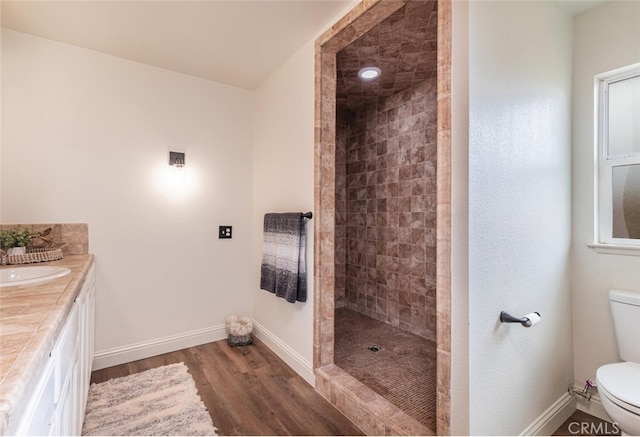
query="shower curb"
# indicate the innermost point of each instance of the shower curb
(369, 411)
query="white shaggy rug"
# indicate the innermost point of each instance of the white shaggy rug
(161, 401)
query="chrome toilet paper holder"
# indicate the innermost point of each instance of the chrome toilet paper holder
(505, 317)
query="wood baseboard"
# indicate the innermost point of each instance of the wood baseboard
(553, 417)
(146, 349)
(138, 351)
(593, 407)
(297, 362)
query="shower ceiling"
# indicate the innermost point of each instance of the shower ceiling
(403, 46)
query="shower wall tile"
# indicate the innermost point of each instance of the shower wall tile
(387, 227)
(340, 210)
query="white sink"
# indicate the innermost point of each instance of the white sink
(11, 276)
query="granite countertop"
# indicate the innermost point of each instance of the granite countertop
(31, 317)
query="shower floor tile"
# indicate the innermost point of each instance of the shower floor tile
(403, 371)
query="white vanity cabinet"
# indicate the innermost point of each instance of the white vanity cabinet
(87, 301)
(57, 405)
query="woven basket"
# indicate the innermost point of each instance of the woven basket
(38, 255)
(239, 340)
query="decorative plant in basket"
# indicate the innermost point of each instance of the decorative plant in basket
(14, 241)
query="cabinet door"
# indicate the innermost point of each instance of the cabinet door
(86, 299)
(63, 412)
(38, 416)
(65, 349)
(84, 325)
(92, 328)
(77, 400)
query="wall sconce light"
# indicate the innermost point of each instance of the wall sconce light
(178, 170)
(174, 181)
(176, 159)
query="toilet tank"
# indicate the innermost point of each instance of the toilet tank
(625, 309)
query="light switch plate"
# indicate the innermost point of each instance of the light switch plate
(224, 231)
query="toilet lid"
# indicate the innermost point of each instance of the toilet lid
(621, 380)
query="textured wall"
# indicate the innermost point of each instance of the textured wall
(389, 213)
(519, 211)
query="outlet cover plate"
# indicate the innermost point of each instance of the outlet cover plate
(224, 232)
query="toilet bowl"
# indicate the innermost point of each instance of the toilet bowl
(619, 383)
(619, 389)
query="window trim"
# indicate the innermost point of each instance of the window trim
(605, 164)
(615, 249)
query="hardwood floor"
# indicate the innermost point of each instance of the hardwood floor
(581, 423)
(248, 390)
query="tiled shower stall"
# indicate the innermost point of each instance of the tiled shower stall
(382, 199)
(386, 209)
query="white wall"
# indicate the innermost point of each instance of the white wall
(283, 182)
(605, 38)
(519, 211)
(85, 138)
(283, 178)
(283, 142)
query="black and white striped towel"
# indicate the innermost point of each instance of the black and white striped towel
(283, 270)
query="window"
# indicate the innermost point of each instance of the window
(618, 141)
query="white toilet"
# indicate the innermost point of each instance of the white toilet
(619, 383)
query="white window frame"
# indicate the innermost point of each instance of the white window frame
(605, 164)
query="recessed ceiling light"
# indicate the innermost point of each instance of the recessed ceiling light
(369, 73)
